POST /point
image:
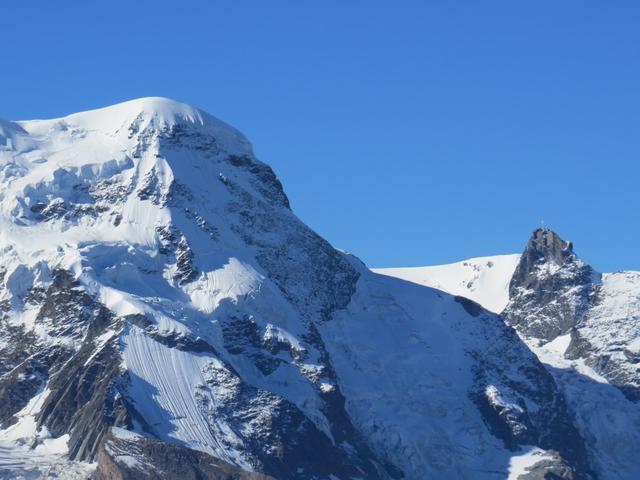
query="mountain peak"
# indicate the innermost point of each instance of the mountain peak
(549, 288)
(142, 114)
(160, 109)
(548, 245)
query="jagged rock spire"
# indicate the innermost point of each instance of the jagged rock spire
(544, 247)
(550, 287)
(547, 243)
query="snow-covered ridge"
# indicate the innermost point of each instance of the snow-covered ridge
(159, 112)
(122, 125)
(484, 280)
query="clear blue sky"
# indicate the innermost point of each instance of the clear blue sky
(407, 132)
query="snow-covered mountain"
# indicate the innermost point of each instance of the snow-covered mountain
(583, 325)
(166, 315)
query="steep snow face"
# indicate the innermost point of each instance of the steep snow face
(484, 280)
(153, 278)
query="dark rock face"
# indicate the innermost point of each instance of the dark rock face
(544, 245)
(81, 369)
(551, 288)
(312, 274)
(80, 381)
(65, 312)
(140, 458)
(266, 181)
(86, 399)
(308, 264)
(617, 364)
(22, 374)
(69, 312)
(176, 246)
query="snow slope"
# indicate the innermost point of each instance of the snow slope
(484, 280)
(43, 456)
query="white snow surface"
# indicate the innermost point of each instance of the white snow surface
(520, 464)
(27, 452)
(485, 280)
